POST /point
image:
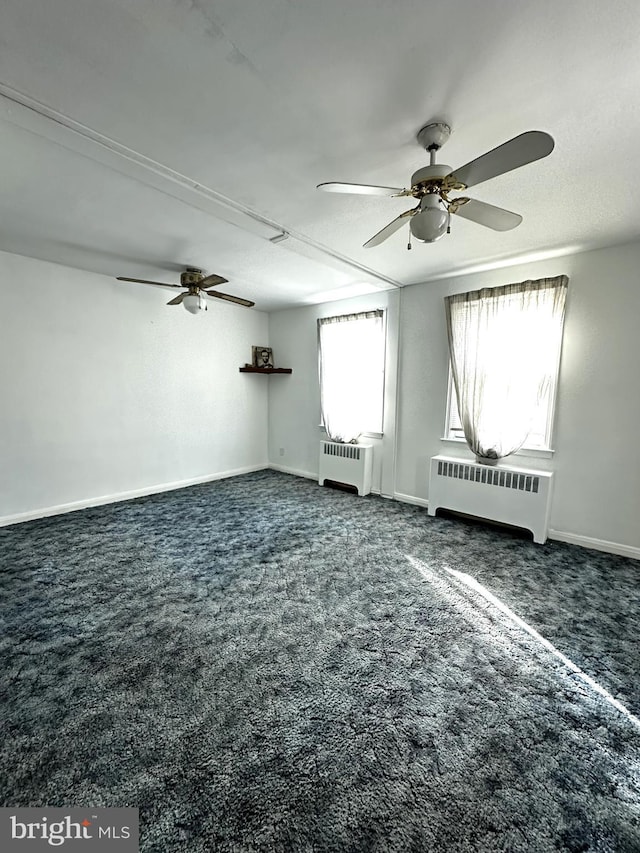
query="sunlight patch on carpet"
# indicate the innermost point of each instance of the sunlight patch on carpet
(478, 588)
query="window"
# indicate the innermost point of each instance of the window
(539, 437)
(505, 351)
(351, 356)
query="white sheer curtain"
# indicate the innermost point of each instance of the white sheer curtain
(504, 344)
(351, 367)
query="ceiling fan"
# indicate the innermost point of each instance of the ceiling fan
(195, 283)
(431, 186)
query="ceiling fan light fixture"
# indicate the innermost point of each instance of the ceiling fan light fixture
(432, 222)
(194, 302)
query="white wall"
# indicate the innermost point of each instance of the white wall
(597, 454)
(104, 390)
(294, 401)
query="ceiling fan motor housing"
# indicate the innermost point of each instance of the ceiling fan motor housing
(190, 276)
(430, 173)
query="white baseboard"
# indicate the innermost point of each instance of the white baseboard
(309, 475)
(410, 499)
(558, 535)
(123, 496)
(596, 544)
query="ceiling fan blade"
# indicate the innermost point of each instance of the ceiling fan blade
(391, 228)
(362, 189)
(145, 281)
(230, 298)
(523, 149)
(487, 214)
(211, 281)
(177, 300)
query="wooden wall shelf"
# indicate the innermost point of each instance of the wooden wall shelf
(266, 370)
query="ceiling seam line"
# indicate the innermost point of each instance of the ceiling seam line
(117, 148)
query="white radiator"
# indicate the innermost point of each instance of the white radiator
(349, 464)
(501, 493)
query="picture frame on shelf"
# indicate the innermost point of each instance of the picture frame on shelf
(262, 357)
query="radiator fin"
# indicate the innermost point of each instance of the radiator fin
(489, 476)
(344, 451)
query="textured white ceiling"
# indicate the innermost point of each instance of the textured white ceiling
(139, 137)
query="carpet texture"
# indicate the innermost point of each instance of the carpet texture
(261, 664)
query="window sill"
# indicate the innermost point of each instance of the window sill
(362, 434)
(532, 452)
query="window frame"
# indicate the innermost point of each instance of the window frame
(383, 310)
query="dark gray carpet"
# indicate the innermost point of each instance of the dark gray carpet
(261, 664)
